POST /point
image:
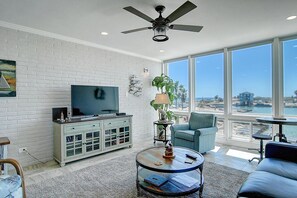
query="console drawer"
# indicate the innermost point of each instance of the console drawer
(116, 123)
(81, 127)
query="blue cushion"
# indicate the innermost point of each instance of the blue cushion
(9, 185)
(185, 135)
(265, 184)
(279, 167)
(201, 120)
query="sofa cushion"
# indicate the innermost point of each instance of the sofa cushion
(265, 184)
(10, 184)
(185, 135)
(279, 167)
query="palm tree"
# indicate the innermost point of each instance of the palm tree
(176, 92)
(183, 95)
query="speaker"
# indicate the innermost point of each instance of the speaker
(57, 112)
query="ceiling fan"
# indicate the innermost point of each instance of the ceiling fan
(160, 25)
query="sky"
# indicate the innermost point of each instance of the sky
(251, 71)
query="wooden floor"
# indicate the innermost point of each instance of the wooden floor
(233, 157)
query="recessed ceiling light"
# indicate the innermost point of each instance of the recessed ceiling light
(291, 17)
(162, 51)
(104, 33)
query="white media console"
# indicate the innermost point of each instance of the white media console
(79, 139)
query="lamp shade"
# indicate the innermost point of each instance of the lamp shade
(162, 98)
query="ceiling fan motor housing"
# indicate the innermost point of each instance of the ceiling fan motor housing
(160, 26)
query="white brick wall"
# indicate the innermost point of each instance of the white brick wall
(46, 67)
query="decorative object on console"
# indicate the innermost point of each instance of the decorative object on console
(7, 78)
(135, 86)
(57, 113)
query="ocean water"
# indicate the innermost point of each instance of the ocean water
(290, 111)
(289, 131)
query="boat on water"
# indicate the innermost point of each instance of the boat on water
(244, 110)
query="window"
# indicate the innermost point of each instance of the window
(290, 85)
(252, 80)
(290, 80)
(209, 83)
(178, 71)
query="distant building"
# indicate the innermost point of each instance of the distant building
(246, 99)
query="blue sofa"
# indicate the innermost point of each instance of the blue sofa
(199, 134)
(276, 175)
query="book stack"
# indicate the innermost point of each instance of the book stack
(156, 180)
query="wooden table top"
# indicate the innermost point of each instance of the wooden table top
(152, 159)
(271, 120)
(4, 141)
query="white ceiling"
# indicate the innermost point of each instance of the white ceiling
(226, 22)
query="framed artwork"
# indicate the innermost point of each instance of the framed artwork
(7, 78)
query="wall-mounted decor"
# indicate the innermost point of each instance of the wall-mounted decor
(135, 86)
(7, 78)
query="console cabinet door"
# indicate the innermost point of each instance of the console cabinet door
(124, 134)
(92, 141)
(73, 145)
(116, 132)
(110, 137)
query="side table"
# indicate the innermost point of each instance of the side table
(4, 141)
(160, 130)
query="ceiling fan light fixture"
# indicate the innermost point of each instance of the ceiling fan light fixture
(160, 34)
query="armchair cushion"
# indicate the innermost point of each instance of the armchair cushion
(9, 185)
(185, 135)
(199, 120)
(207, 131)
(176, 127)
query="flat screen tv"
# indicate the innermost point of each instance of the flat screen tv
(94, 100)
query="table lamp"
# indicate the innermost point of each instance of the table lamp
(162, 99)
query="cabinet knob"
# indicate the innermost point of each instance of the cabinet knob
(73, 128)
(94, 125)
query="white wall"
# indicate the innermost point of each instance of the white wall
(46, 67)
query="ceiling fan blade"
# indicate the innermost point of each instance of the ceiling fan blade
(182, 10)
(136, 30)
(138, 13)
(191, 28)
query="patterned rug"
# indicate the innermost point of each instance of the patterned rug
(116, 179)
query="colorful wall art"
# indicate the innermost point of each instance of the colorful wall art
(7, 78)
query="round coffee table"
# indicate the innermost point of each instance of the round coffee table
(176, 176)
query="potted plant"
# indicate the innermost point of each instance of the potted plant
(165, 85)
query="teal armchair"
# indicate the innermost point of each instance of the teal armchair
(199, 134)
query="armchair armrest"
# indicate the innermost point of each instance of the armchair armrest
(206, 131)
(19, 171)
(176, 127)
(281, 150)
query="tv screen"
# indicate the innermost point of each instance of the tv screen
(94, 100)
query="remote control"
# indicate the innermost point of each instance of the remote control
(191, 156)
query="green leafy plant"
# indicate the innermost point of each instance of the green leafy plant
(164, 84)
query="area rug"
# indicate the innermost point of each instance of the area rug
(115, 178)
